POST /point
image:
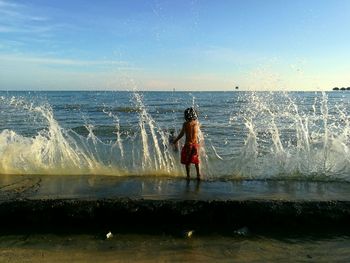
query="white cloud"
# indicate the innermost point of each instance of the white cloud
(16, 75)
(7, 4)
(217, 54)
(61, 61)
(20, 18)
(6, 29)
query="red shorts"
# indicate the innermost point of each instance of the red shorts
(190, 154)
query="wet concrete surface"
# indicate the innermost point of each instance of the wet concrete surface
(90, 200)
(34, 187)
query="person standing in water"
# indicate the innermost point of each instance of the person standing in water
(190, 151)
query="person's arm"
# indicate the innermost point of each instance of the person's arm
(182, 132)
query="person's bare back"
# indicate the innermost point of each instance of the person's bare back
(191, 131)
(190, 151)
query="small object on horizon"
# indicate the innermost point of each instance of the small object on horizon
(109, 235)
(342, 88)
(237, 87)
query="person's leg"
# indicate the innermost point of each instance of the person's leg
(188, 171)
(197, 170)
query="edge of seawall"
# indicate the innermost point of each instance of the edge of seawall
(105, 201)
(151, 213)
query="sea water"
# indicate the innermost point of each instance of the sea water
(168, 248)
(243, 135)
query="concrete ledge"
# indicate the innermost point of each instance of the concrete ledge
(94, 201)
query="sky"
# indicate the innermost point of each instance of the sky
(165, 44)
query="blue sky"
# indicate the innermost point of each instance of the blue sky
(186, 45)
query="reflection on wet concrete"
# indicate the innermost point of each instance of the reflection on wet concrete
(16, 187)
(153, 188)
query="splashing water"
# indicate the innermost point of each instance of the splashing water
(163, 159)
(289, 139)
(256, 135)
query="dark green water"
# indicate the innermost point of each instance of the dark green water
(173, 248)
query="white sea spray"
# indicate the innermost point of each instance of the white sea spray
(257, 135)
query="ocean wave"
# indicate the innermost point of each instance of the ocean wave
(257, 142)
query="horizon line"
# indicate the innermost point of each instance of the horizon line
(124, 90)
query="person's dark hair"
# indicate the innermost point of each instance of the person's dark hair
(190, 114)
